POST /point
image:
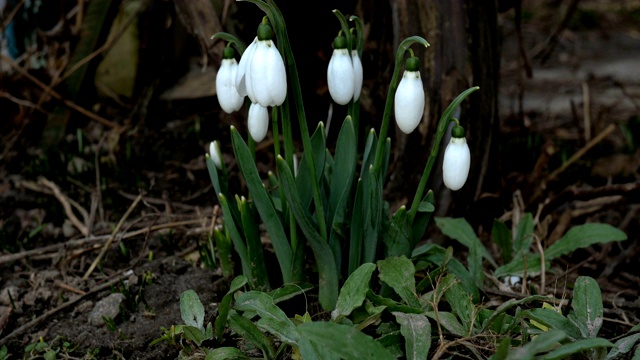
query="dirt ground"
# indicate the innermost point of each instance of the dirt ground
(578, 111)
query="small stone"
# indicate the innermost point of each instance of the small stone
(108, 307)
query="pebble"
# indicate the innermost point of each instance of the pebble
(107, 307)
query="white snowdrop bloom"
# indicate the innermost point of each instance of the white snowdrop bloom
(228, 96)
(261, 73)
(456, 162)
(409, 97)
(258, 123)
(215, 154)
(340, 73)
(358, 74)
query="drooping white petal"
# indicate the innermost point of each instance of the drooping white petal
(228, 96)
(259, 73)
(358, 74)
(409, 101)
(456, 163)
(215, 154)
(340, 76)
(277, 77)
(242, 85)
(258, 122)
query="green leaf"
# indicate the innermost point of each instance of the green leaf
(426, 206)
(396, 235)
(303, 178)
(194, 334)
(460, 230)
(250, 332)
(541, 343)
(272, 318)
(229, 219)
(438, 255)
(342, 340)
(461, 305)
(354, 290)
(288, 291)
(258, 270)
(502, 351)
(553, 320)
(578, 237)
(448, 321)
(583, 236)
(356, 233)
(501, 236)
(587, 304)
(508, 305)
(416, 330)
(327, 271)
(225, 305)
(191, 309)
(264, 205)
(399, 273)
(226, 353)
(622, 346)
(372, 214)
(421, 219)
(523, 236)
(391, 305)
(575, 347)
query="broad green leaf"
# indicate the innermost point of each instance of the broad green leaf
(225, 305)
(191, 309)
(587, 304)
(416, 330)
(439, 256)
(551, 319)
(250, 332)
(636, 355)
(623, 346)
(524, 235)
(461, 305)
(328, 282)
(315, 351)
(391, 305)
(225, 353)
(575, 347)
(272, 318)
(194, 334)
(354, 290)
(501, 236)
(583, 236)
(421, 219)
(264, 205)
(372, 215)
(460, 230)
(342, 340)
(509, 304)
(288, 291)
(578, 237)
(502, 351)
(448, 321)
(399, 273)
(541, 343)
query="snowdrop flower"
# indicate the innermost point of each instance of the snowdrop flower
(261, 74)
(228, 96)
(409, 98)
(357, 72)
(341, 77)
(258, 122)
(457, 160)
(215, 154)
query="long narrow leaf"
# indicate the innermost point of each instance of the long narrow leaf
(263, 204)
(328, 282)
(258, 270)
(354, 290)
(250, 332)
(273, 319)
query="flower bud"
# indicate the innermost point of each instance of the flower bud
(227, 94)
(409, 97)
(258, 122)
(215, 154)
(340, 73)
(457, 160)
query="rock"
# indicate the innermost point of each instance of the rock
(108, 307)
(4, 295)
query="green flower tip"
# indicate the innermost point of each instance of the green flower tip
(340, 42)
(228, 52)
(457, 131)
(264, 32)
(233, 128)
(279, 157)
(412, 64)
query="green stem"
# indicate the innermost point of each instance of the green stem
(388, 107)
(443, 124)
